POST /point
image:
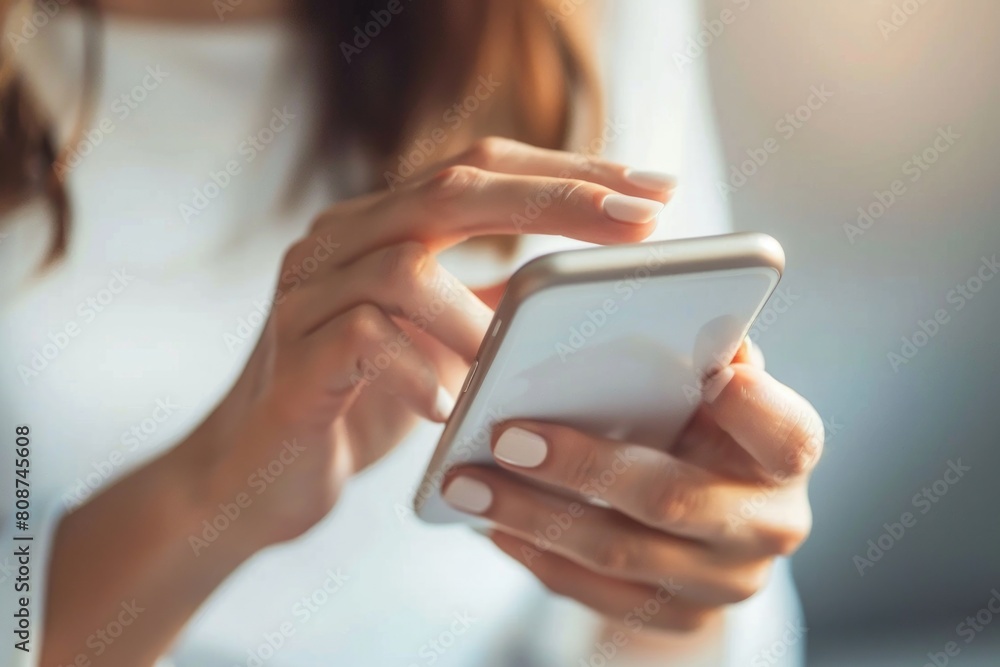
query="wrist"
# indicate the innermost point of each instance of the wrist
(212, 510)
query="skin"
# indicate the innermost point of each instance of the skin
(132, 541)
(676, 515)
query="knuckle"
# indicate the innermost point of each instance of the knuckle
(582, 468)
(783, 537)
(407, 262)
(362, 326)
(613, 556)
(800, 437)
(750, 582)
(570, 191)
(743, 588)
(673, 504)
(487, 151)
(787, 541)
(451, 183)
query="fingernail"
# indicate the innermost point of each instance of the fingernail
(518, 447)
(633, 210)
(715, 384)
(651, 180)
(469, 495)
(444, 404)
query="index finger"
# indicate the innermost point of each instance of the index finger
(461, 202)
(506, 156)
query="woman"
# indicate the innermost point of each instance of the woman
(209, 487)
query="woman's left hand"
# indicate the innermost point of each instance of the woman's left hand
(677, 535)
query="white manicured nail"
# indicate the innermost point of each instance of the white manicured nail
(715, 384)
(518, 447)
(633, 210)
(651, 180)
(444, 404)
(469, 495)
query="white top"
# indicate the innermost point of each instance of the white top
(119, 351)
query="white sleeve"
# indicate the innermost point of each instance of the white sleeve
(767, 629)
(24, 571)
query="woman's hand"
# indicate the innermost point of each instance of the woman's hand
(367, 329)
(677, 534)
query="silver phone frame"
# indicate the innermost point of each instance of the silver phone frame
(593, 265)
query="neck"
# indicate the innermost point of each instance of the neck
(199, 11)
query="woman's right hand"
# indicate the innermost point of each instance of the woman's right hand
(367, 328)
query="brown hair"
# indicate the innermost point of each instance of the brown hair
(384, 80)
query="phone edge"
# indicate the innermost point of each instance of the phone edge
(568, 267)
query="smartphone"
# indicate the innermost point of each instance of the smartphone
(615, 341)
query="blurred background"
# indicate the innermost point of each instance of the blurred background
(909, 133)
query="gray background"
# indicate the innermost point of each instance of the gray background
(894, 431)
